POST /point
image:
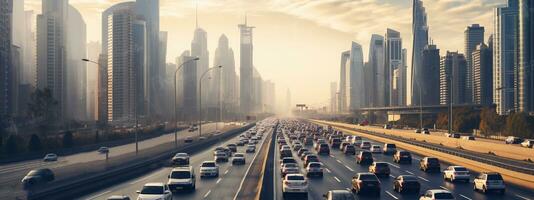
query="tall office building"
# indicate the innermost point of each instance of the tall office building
(333, 97)
(246, 69)
(420, 41)
(394, 61)
(269, 97)
(430, 84)
(28, 72)
(367, 82)
(453, 76)
(52, 52)
(482, 75)
(257, 103)
(402, 92)
(93, 52)
(474, 35)
(526, 56)
(124, 38)
(344, 82)
(189, 109)
(6, 14)
(505, 21)
(224, 56)
(76, 70)
(377, 64)
(199, 48)
(356, 80)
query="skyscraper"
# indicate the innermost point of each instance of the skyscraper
(474, 35)
(394, 61)
(344, 82)
(333, 97)
(505, 20)
(246, 68)
(199, 48)
(28, 72)
(482, 75)
(420, 41)
(6, 14)
(93, 52)
(526, 56)
(52, 52)
(356, 80)
(377, 65)
(257, 103)
(224, 56)
(430, 81)
(453, 72)
(76, 70)
(189, 87)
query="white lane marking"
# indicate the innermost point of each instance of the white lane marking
(207, 194)
(522, 197)
(391, 176)
(139, 180)
(339, 161)
(424, 179)
(347, 189)
(465, 197)
(349, 168)
(328, 170)
(443, 187)
(337, 179)
(387, 192)
(417, 159)
(331, 155)
(219, 180)
(226, 172)
(96, 196)
(396, 166)
(409, 172)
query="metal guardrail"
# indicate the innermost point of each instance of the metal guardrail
(72, 189)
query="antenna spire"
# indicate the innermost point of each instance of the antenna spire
(196, 15)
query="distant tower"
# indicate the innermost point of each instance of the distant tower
(453, 71)
(377, 66)
(393, 61)
(344, 82)
(420, 41)
(333, 97)
(199, 48)
(431, 83)
(356, 80)
(246, 68)
(474, 35)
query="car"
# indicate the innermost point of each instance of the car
(295, 183)
(429, 164)
(209, 169)
(426, 131)
(238, 159)
(319, 141)
(349, 149)
(342, 145)
(182, 178)
(380, 168)
(286, 153)
(308, 141)
(221, 156)
(323, 149)
(387, 126)
(468, 137)
(389, 149)
(118, 197)
(356, 139)
(50, 157)
(365, 183)
(489, 181)
(152, 191)
(287, 160)
(527, 143)
(297, 147)
(455, 135)
(349, 138)
(314, 169)
(335, 142)
(289, 168)
(303, 156)
(240, 143)
(284, 147)
(188, 139)
(310, 158)
(301, 151)
(37, 177)
(365, 145)
(339, 195)
(436, 195)
(406, 184)
(180, 159)
(454, 173)
(103, 150)
(232, 147)
(513, 140)
(364, 157)
(376, 149)
(402, 157)
(250, 148)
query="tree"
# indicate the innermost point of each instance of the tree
(12, 145)
(68, 140)
(520, 125)
(43, 107)
(490, 122)
(35, 143)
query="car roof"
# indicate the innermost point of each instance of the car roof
(189, 168)
(208, 161)
(439, 191)
(154, 184)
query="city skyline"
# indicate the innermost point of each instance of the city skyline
(338, 30)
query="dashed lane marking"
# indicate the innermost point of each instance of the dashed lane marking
(522, 197)
(465, 197)
(442, 187)
(409, 172)
(339, 161)
(328, 170)
(424, 179)
(337, 179)
(226, 172)
(387, 192)
(207, 194)
(219, 180)
(349, 168)
(396, 166)
(391, 176)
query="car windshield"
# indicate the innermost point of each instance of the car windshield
(315, 165)
(342, 196)
(381, 165)
(349, 147)
(368, 177)
(289, 160)
(220, 154)
(432, 160)
(460, 169)
(404, 153)
(33, 173)
(181, 155)
(152, 190)
(390, 146)
(209, 164)
(495, 177)
(295, 178)
(443, 196)
(409, 178)
(239, 155)
(181, 175)
(366, 154)
(291, 165)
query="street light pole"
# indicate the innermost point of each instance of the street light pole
(200, 99)
(175, 113)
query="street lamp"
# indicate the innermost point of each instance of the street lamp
(175, 113)
(200, 99)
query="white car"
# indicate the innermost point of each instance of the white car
(221, 156)
(527, 143)
(238, 159)
(489, 181)
(289, 168)
(182, 178)
(365, 145)
(154, 191)
(209, 168)
(314, 169)
(250, 148)
(295, 183)
(436, 195)
(285, 147)
(50, 157)
(376, 149)
(454, 173)
(103, 150)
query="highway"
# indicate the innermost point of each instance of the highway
(11, 174)
(223, 187)
(339, 169)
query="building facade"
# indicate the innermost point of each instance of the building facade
(474, 35)
(526, 56)
(453, 76)
(224, 56)
(482, 75)
(246, 90)
(377, 65)
(420, 41)
(429, 86)
(356, 80)
(6, 81)
(344, 82)
(393, 61)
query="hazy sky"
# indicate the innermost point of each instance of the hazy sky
(298, 43)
